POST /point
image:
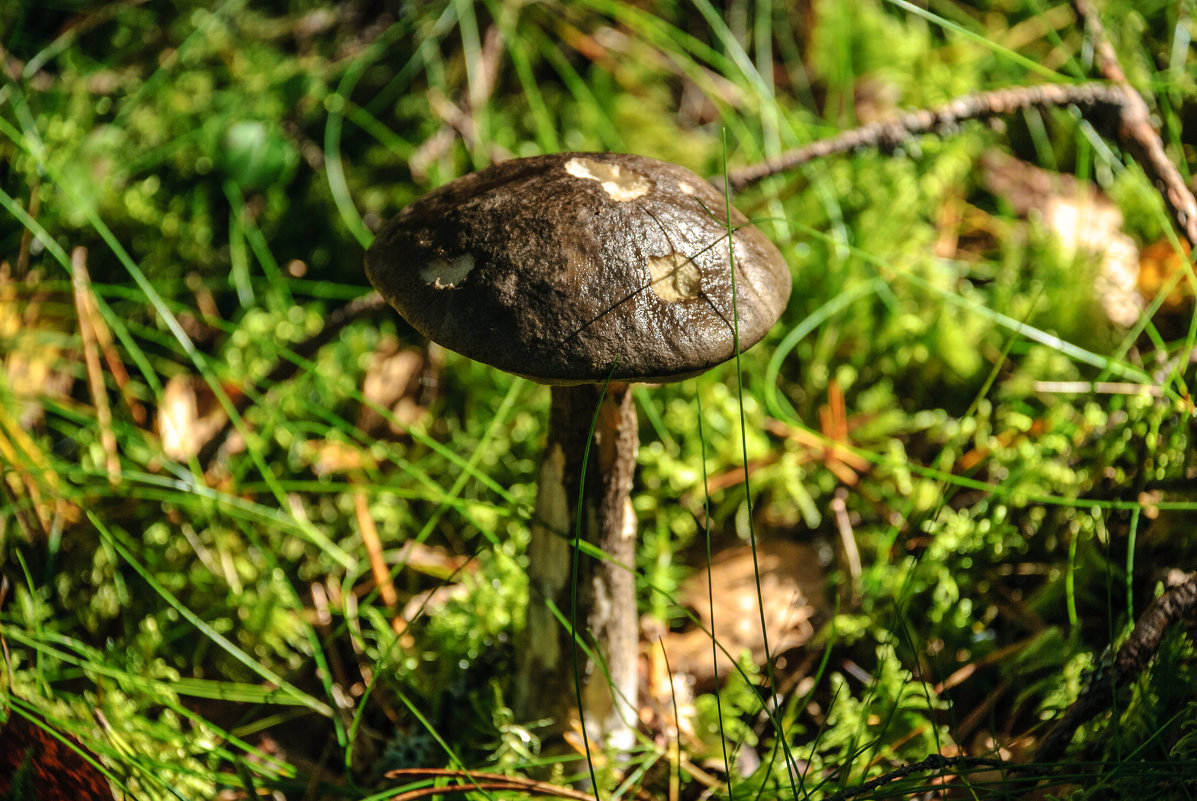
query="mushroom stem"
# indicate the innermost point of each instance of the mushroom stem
(606, 619)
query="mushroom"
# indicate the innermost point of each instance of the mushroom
(587, 272)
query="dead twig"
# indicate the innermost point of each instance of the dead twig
(473, 781)
(1178, 602)
(378, 563)
(35, 204)
(946, 119)
(1136, 131)
(1117, 107)
(933, 763)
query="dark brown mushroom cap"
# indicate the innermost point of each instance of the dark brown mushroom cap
(559, 267)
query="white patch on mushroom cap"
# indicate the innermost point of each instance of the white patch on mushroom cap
(674, 277)
(686, 188)
(445, 274)
(618, 181)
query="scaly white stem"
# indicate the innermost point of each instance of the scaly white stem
(606, 590)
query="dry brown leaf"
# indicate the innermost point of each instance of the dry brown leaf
(189, 415)
(326, 457)
(429, 602)
(792, 586)
(392, 381)
(1083, 220)
(1163, 268)
(54, 764)
(432, 560)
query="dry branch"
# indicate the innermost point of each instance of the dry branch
(1118, 108)
(1178, 602)
(895, 133)
(473, 781)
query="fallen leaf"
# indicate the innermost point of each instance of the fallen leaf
(189, 415)
(1159, 264)
(393, 382)
(1083, 220)
(37, 762)
(792, 586)
(326, 457)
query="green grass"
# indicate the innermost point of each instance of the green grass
(216, 628)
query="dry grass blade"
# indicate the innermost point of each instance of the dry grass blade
(35, 203)
(378, 563)
(89, 323)
(472, 781)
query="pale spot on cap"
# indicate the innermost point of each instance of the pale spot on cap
(674, 277)
(620, 182)
(446, 274)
